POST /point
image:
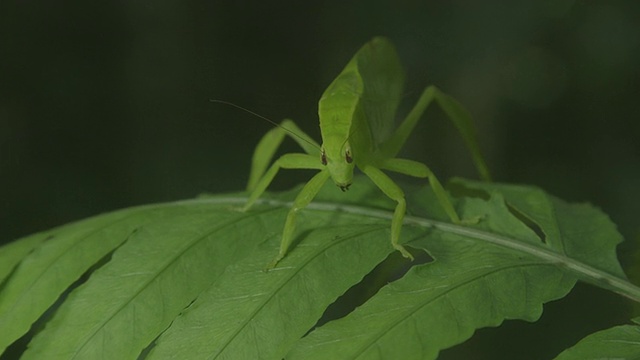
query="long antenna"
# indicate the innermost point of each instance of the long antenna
(263, 118)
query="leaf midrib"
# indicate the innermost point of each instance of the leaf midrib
(583, 271)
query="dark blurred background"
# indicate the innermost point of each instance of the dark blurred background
(105, 105)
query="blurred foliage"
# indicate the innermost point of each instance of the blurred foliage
(105, 104)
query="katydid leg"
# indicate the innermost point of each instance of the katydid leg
(393, 191)
(268, 145)
(286, 161)
(454, 111)
(420, 170)
(304, 197)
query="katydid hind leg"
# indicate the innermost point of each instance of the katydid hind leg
(454, 111)
(393, 191)
(462, 120)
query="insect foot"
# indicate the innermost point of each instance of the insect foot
(236, 208)
(403, 251)
(272, 265)
(470, 221)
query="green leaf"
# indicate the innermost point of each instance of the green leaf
(620, 342)
(471, 284)
(12, 253)
(160, 269)
(54, 260)
(583, 236)
(185, 279)
(250, 314)
(563, 224)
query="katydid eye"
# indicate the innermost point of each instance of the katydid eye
(323, 158)
(347, 156)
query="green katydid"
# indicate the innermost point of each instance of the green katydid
(357, 114)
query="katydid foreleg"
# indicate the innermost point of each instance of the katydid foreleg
(308, 192)
(304, 197)
(286, 161)
(268, 145)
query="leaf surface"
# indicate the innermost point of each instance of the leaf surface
(185, 279)
(471, 284)
(54, 261)
(620, 342)
(158, 271)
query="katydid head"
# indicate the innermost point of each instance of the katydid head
(340, 165)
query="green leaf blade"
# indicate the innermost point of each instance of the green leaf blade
(174, 255)
(13, 253)
(584, 238)
(620, 342)
(174, 283)
(52, 266)
(470, 285)
(251, 314)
